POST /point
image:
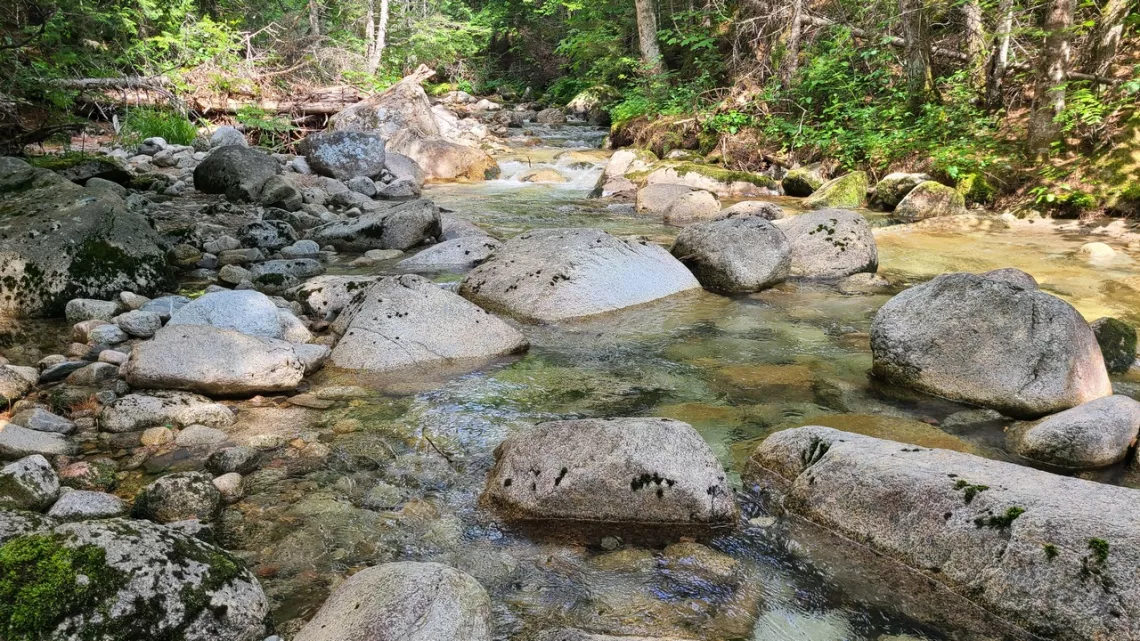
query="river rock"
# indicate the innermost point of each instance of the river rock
(17, 442)
(802, 181)
(165, 306)
(107, 335)
(70, 242)
(234, 460)
(139, 324)
(41, 420)
(754, 209)
(890, 191)
(270, 235)
(28, 484)
(458, 254)
(344, 154)
(179, 497)
(137, 412)
(1117, 341)
(280, 192)
(965, 337)
(725, 183)
(735, 255)
(831, 243)
(459, 228)
(538, 175)
(400, 226)
(280, 273)
(326, 296)
(238, 172)
(1096, 434)
(403, 168)
(657, 199)
(1012, 276)
(614, 181)
(446, 161)
(628, 470)
(846, 192)
(226, 136)
(80, 310)
(15, 382)
(404, 602)
(246, 311)
(1053, 554)
(557, 274)
(408, 321)
(578, 635)
(208, 360)
(82, 505)
(143, 581)
(694, 205)
(552, 116)
(930, 199)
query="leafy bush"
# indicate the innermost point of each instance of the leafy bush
(267, 130)
(144, 122)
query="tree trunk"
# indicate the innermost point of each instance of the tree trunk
(1106, 37)
(999, 59)
(379, 39)
(1049, 88)
(975, 43)
(790, 63)
(370, 29)
(647, 36)
(314, 18)
(916, 53)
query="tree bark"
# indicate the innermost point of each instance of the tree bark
(1049, 88)
(790, 63)
(975, 43)
(647, 36)
(379, 39)
(314, 18)
(1106, 37)
(916, 53)
(999, 59)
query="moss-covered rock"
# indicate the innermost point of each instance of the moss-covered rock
(930, 199)
(592, 104)
(725, 183)
(802, 181)
(1117, 341)
(79, 168)
(890, 191)
(976, 189)
(845, 192)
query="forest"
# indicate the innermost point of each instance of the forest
(1016, 102)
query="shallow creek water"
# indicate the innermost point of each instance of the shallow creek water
(393, 469)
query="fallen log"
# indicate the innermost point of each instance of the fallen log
(128, 82)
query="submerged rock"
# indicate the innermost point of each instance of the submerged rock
(578, 635)
(395, 226)
(1096, 434)
(557, 274)
(735, 255)
(831, 243)
(1053, 554)
(404, 602)
(991, 343)
(845, 192)
(629, 470)
(408, 321)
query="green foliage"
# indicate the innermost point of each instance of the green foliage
(1099, 548)
(267, 130)
(1062, 200)
(145, 122)
(728, 123)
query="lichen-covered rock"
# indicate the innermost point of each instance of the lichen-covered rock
(1117, 341)
(344, 154)
(802, 181)
(208, 360)
(179, 497)
(395, 226)
(238, 172)
(930, 199)
(735, 255)
(458, 254)
(831, 243)
(404, 602)
(1096, 434)
(326, 296)
(69, 242)
(15, 382)
(17, 442)
(1052, 554)
(41, 420)
(233, 460)
(83, 505)
(137, 412)
(844, 192)
(991, 343)
(556, 274)
(117, 579)
(628, 470)
(270, 235)
(725, 183)
(28, 484)
(14, 523)
(890, 191)
(409, 322)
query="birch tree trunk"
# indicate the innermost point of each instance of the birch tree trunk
(1106, 37)
(379, 39)
(647, 36)
(916, 52)
(314, 18)
(1049, 88)
(975, 43)
(790, 63)
(999, 59)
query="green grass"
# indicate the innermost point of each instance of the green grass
(144, 122)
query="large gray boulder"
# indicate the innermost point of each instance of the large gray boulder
(326, 296)
(1096, 434)
(158, 408)
(630, 470)
(992, 343)
(890, 191)
(458, 254)
(403, 168)
(395, 226)
(246, 311)
(409, 322)
(444, 160)
(238, 172)
(830, 243)
(1054, 555)
(139, 581)
(557, 274)
(344, 154)
(85, 505)
(404, 602)
(28, 484)
(218, 362)
(70, 242)
(735, 255)
(179, 497)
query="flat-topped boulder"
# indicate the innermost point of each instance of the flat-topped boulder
(558, 274)
(245, 311)
(70, 242)
(409, 322)
(651, 471)
(394, 226)
(830, 244)
(458, 254)
(159, 408)
(17, 442)
(989, 342)
(1054, 555)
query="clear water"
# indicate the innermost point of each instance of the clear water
(393, 471)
